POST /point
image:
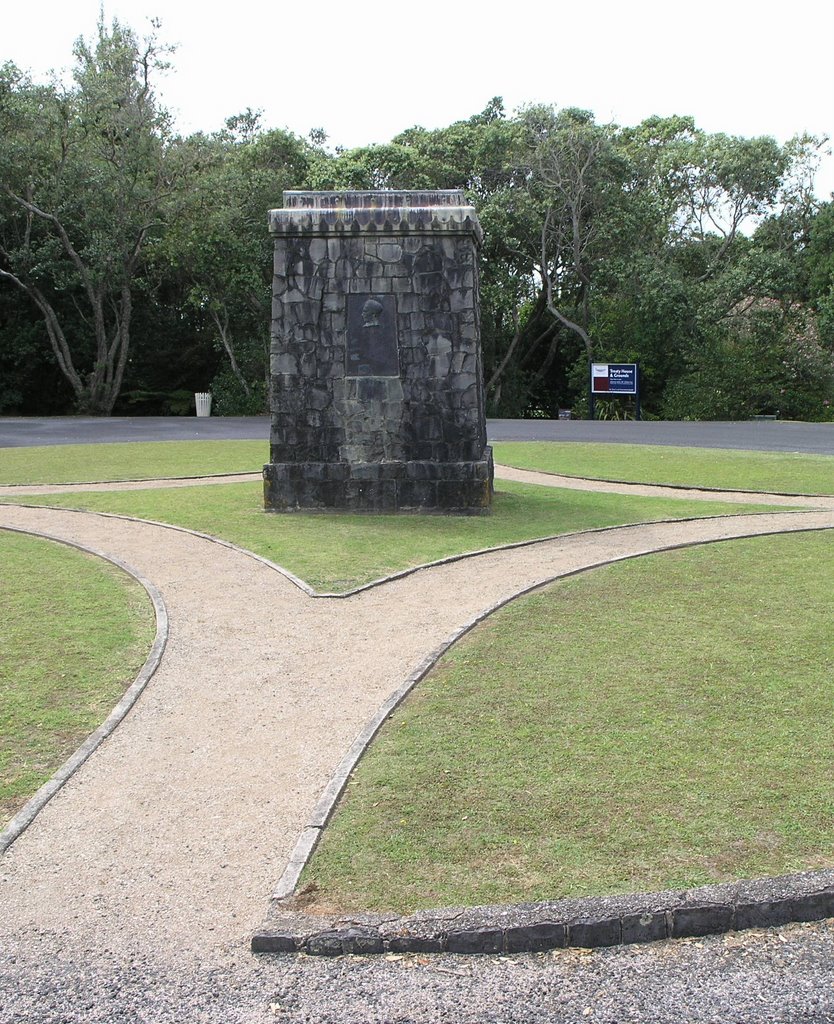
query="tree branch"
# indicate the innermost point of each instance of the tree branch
(57, 340)
(223, 330)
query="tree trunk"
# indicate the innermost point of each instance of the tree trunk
(223, 330)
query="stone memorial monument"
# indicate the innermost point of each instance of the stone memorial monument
(377, 395)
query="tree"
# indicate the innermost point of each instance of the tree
(147, 260)
(30, 382)
(86, 174)
(818, 260)
(573, 175)
(483, 155)
(219, 246)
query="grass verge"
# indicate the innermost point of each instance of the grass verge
(692, 467)
(337, 552)
(91, 463)
(789, 473)
(74, 631)
(660, 723)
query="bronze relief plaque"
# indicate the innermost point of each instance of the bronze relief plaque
(372, 336)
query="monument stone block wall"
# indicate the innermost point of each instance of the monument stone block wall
(377, 394)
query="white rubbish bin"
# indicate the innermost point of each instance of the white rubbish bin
(203, 400)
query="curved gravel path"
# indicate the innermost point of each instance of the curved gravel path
(575, 483)
(18, 490)
(134, 893)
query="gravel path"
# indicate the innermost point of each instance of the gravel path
(133, 894)
(21, 490)
(573, 483)
(524, 476)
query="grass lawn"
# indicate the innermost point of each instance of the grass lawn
(337, 552)
(664, 722)
(74, 631)
(757, 471)
(692, 467)
(91, 463)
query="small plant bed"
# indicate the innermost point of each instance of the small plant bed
(778, 472)
(338, 552)
(74, 632)
(660, 723)
(91, 463)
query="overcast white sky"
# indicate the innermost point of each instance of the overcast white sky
(365, 72)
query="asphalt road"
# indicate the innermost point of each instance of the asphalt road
(764, 435)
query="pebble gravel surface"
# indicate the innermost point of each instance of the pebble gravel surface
(779, 976)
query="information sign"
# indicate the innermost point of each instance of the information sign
(614, 378)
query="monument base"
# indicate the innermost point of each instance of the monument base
(463, 488)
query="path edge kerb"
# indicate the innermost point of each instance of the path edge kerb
(672, 487)
(32, 808)
(411, 570)
(588, 923)
(304, 933)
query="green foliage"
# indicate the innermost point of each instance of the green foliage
(218, 249)
(615, 409)
(818, 259)
(767, 361)
(86, 174)
(160, 403)
(24, 358)
(230, 399)
(825, 319)
(819, 254)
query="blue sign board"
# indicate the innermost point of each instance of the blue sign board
(614, 378)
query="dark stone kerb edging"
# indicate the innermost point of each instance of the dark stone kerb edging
(592, 531)
(671, 487)
(24, 818)
(403, 573)
(323, 811)
(586, 923)
(450, 559)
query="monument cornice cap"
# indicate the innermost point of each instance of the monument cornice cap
(372, 199)
(372, 211)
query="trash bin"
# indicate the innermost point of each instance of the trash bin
(203, 401)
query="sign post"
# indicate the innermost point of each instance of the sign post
(612, 379)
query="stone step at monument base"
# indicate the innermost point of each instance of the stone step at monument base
(463, 488)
